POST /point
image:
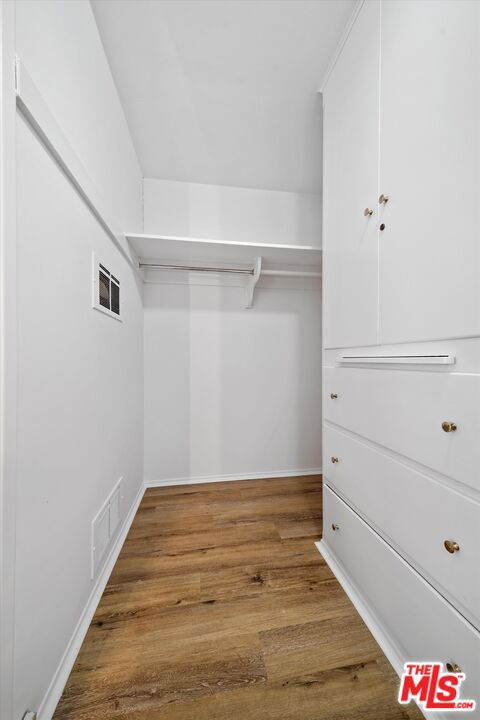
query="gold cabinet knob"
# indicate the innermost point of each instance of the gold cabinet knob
(367, 212)
(334, 396)
(448, 426)
(335, 527)
(451, 546)
(452, 667)
(383, 199)
(334, 459)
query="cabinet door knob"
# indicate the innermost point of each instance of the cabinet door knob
(334, 396)
(334, 459)
(452, 667)
(367, 212)
(448, 426)
(451, 546)
(335, 527)
(383, 199)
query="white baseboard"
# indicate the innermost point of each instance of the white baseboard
(55, 690)
(388, 646)
(392, 653)
(270, 475)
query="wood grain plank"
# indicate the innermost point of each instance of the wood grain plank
(176, 544)
(310, 527)
(267, 553)
(349, 693)
(159, 678)
(131, 601)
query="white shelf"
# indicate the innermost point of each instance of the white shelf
(185, 250)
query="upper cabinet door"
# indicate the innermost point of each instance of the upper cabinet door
(429, 251)
(350, 238)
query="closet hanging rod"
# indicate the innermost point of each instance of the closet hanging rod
(236, 271)
(190, 268)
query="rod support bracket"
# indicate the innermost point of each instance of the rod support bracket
(252, 281)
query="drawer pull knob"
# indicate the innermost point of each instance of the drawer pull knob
(335, 527)
(448, 426)
(333, 396)
(367, 212)
(334, 459)
(452, 667)
(383, 199)
(451, 546)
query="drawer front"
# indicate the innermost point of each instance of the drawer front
(404, 411)
(414, 513)
(420, 622)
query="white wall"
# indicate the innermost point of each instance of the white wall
(61, 48)
(230, 391)
(231, 213)
(80, 373)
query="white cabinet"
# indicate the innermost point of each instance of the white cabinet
(403, 121)
(429, 252)
(414, 513)
(404, 410)
(350, 252)
(423, 625)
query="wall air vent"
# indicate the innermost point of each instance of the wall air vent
(104, 527)
(106, 290)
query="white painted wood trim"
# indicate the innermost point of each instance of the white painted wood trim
(8, 354)
(339, 48)
(38, 115)
(228, 243)
(270, 475)
(368, 615)
(54, 692)
(392, 653)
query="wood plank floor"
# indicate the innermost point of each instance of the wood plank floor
(220, 607)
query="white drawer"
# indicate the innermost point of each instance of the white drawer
(419, 623)
(404, 411)
(414, 513)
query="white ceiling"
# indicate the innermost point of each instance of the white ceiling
(224, 91)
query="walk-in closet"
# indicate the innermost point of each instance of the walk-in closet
(239, 359)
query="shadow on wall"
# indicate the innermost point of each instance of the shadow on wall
(230, 391)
